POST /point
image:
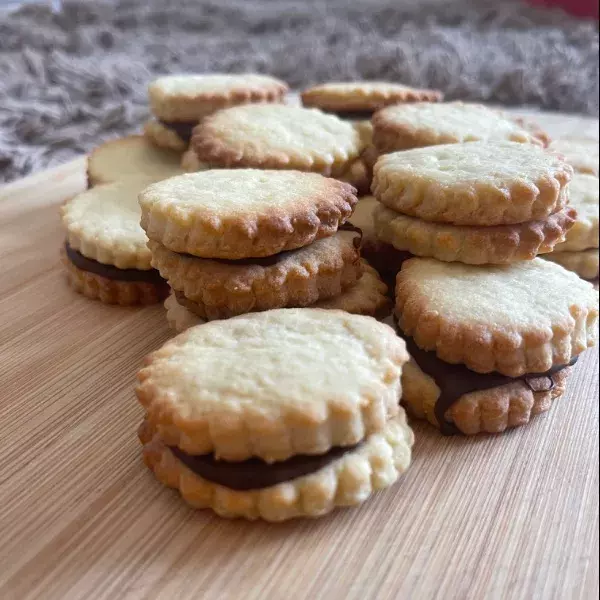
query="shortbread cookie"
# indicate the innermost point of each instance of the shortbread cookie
(362, 217)
(244, 213)
(190, 162)
(580, 153)
(481, 183)
(302, 486)
(527, 317)
(457, 400)
(274, 384)
(360, 99)
(167, 138)
(277, 137)
(179, 317)
(582, 262)
(583, 197)
(500, 244)
(131, 156)
(222, 289)
(406, 126)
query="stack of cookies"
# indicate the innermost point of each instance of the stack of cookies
(275, 415)
(231, 242)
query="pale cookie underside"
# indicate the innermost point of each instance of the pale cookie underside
(298, 278)
(131, 156)
(580, 153)
(364, 95)
(521, 318)
(162, 137)
(277, 137)
(499, 244)
(583, 197)
(407, 126)
(110, 291)
(583, 262)
(348, 481)
(274, 384)
(362, 217)
(103, 224)
(190, 97)
(243, 213)
(481, 183)
(485, 411)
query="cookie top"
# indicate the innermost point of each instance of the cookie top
(580, 153)
(187, 97)
(480, 183)
(358, 96)
(274, 384)
(244, 213)
(103, 224)
(521, 318)
(131, 156)
(583, 197)
(277, 136)
(407, 126)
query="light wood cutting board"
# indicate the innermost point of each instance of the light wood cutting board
(510, 516)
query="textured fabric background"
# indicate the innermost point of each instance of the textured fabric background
(73, 78)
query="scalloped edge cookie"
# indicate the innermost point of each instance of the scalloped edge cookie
(495, 245)
(523, 344)
(480, 183)
(315, 209)
(583, 262)
(368, 96)
(400, 127)
(279, 424)
(485, 411)
(348, 481)
(299, 278)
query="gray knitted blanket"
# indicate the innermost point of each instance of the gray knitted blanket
(72, 78)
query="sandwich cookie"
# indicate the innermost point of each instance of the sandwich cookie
(218, 288)
(406, 126)
(580, 153)
(179, 102)
(131, 156)
(360, 99)
(244, 213)
(490, 347)
(276, 415)
(105, 251)
(368, 296)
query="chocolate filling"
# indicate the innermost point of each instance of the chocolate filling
(182, 128)
(110, 271)
(254, 474)
(353, 115)
(455, 381)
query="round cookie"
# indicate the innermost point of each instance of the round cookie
(406, 126)
(243, 213)
(315, 487)
(222, 289)
(583, 262)
(167, 138)
(130, 156)
(277, 137)
(179, 317)
(498, 244)
(105, 252)
(190, 162)
(580, 153)
(274, 384)
(583, 197)
(363, 96)
(522, 318)
(480, 183)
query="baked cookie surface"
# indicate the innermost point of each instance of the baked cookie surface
(580, 153)
(583, 262)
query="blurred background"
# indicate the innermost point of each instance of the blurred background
(74, 73)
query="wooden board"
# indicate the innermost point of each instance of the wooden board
(504, 516)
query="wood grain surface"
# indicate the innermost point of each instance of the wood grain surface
(509, 516)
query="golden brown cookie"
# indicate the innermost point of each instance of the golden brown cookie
(522, 318)
(583, 262)
(222, 289)
(480, 183)
(499, 244)
(406, 126)
(274, 384)
(243, 213)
